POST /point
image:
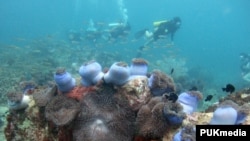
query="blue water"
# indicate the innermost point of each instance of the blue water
(212, 35)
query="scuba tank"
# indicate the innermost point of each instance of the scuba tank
(157, 23)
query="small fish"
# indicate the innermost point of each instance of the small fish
(172, 71)
(194, 88)
(229, 88)
(209, 97)
(171, 97)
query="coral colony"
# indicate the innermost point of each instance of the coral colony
(125, 103)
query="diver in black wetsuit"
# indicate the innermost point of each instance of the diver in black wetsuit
(167, 27)
(120, 30)
(163, 29)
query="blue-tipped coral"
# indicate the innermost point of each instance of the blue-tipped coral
(189, 100)
(187, 133)
(171, 116)
(159, 83)
(118, 74)
(65, 82)
(91, 73)
(224, 116)
(27, 86)
(229, 113)
(17, 101)
(139, 67)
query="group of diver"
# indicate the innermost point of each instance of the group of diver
(98, 32)
(162, 29)
(121, 30)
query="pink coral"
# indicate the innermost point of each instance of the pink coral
(80, 91)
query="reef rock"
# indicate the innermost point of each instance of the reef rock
(136, 91)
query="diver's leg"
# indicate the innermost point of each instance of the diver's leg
(141, 48)
(148, 42)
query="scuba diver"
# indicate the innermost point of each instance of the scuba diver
(93, 33)
(163, 28)
(118, 30)
(245, 66)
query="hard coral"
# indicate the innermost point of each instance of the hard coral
(104, 117)
(157, 117)
(61, 110)
(136, 91)
(160, 83)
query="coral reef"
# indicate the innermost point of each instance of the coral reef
(79, 92)
(139, 66)
(119, 107)
(43, 96)
(64, 80)
(104, 117)
(118, 74)
(225, 115)
(187, 133)
(160, 83)
(229, 113)
(61, 110)
(17, 100)
(157, 117)
(189, 100)
(136, 91)
(91, 73)
(27, 87)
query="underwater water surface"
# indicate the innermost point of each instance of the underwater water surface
(36, 37)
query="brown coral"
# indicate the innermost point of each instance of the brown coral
(197, 94)
(15, 96)
(27, 86)
(139, 61)
(155, 118)
(43, 96)
(104, 117)
(161, 83)
(136, 91)
(61, 110)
